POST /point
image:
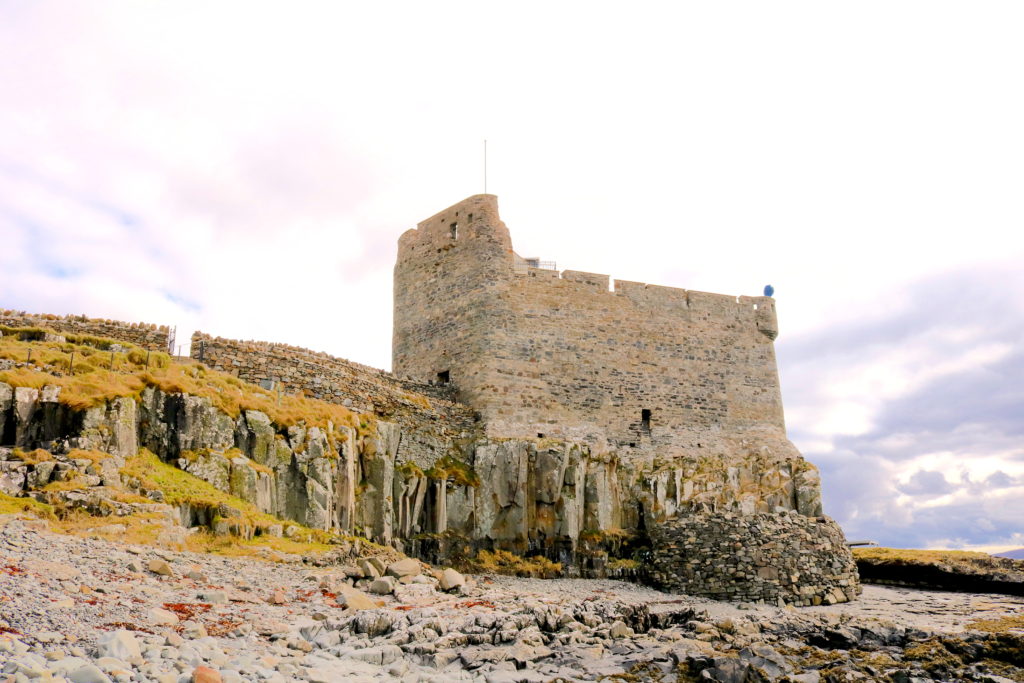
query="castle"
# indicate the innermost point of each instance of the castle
(546, 354)
(633, 431)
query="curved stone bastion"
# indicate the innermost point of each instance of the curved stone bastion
(772, 557)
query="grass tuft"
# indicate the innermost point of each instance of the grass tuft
(510, 564)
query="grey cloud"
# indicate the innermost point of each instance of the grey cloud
(973, 412)
(926, 482)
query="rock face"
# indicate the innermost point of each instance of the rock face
(530, 496)
(781, 558)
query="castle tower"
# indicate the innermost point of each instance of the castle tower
(451, 274)
(546, 354)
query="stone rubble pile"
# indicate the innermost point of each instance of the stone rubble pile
(779, 558)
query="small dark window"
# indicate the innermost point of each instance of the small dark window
(444, 377)
(455, 230)
(471, 218)
(540, 435)
(645, 420)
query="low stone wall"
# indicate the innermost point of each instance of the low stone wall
(779, 558)
(432, 422)
(145, 335)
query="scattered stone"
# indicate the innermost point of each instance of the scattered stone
(451, 579)
(204, 674)
(162, 617)
(406, 567)
(214, 597)
(88, 673)
(355, 599)
(385, 585)
(160, 566)
(121, 645)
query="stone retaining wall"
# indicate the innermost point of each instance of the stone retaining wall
(145, 335)
(780, 558)
(432, 421)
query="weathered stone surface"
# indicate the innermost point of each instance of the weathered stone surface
(25, 404)
(6, 401)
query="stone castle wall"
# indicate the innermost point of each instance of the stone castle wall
(777, 558)
(539, 352)
(433, 420)
(152, 337)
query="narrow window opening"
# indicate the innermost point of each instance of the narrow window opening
(632, 444)
(444, 377)
(455, 230)
(645, 421)
(540, 435)
(471, 217)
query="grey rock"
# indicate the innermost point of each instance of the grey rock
(88, 674)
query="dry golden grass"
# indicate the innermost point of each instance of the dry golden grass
(32, 457)
(141, 528)
(918, 556)
(75, 483)
(998, 625)
(206, 542)
(509, 564)
(93, 383)
(93, 455)
(9, 505)
(456, 471)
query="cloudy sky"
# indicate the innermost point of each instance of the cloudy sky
(246, 169)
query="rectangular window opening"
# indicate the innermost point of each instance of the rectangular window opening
(455, 230)
(444, 377)
(645, 421)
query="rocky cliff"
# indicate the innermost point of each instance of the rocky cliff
(544, 497)
(402, 476)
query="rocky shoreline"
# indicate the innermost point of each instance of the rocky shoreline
(91, 611)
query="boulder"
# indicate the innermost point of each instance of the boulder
(451, 579)
(162, 617)
(385, 585)
(406, 567)
(204, 674)
(121, 645)
(355, 599)
(159, 566)
(370, 569)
